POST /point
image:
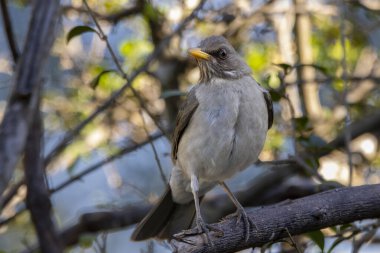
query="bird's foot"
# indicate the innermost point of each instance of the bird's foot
(241, 215)
(201, 228)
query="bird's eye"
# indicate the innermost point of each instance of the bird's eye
(222, 53)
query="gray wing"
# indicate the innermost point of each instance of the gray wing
(183, 118)
(268, 101)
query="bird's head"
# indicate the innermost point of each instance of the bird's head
(216, 58)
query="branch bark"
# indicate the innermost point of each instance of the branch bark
(37, 200)
(24, 97)
(330, 208)
(9, 31)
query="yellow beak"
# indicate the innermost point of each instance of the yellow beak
(198, 53)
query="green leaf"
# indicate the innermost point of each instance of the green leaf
(78, 30)
(318, 238)
(335, 243)
(85, 241)
(275, 95)
(286, 67)
(344, 227)
(321, 69)
(94, 82)
(172, 93)
(301, 123)
(72, 166)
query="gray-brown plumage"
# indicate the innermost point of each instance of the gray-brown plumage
(220, 130)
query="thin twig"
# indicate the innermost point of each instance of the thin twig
(294, 244)
(103, 37)
(69, 136)
(292, 123)
(113, 17)
(103, 162)
(9, 31)
(308, 168)
(162, 174)
(122, 73)
(347, 120)
(8, 196)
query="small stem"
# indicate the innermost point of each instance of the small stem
(162, 174)
(347, 121)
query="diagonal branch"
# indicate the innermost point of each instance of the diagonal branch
(330, 208)
(26, 81)
(113, 17)
(9, 31)
(37, 200)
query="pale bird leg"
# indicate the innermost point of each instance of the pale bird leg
(240, 212)
(201, 225)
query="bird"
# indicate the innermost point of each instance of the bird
(220, 130)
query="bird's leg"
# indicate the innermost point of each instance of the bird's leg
(240, 212)
(201, 225)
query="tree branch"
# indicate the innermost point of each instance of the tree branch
(330, 208)
(37, 199)
(114, 17)
(368, 123)
(9, 31)
(26, 82)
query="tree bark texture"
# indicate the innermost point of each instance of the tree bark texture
(38, 199)
(330, 208)
(26, 82)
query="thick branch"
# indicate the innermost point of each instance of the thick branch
(37, 200)
(8, 30)
(330, 208)
(23, 100)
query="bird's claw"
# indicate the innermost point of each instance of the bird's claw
(241, 215)
(201, 228)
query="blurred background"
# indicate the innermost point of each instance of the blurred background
(318, 58)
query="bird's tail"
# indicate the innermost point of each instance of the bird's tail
(165, 219)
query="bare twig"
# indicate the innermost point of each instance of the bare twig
(294, 244)
(103, 37)
(347, 121)
(103, 162)
(114, 17)
(9, 31)
(156, 157)
(69, 136)
(12, 191)
(308, 168)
